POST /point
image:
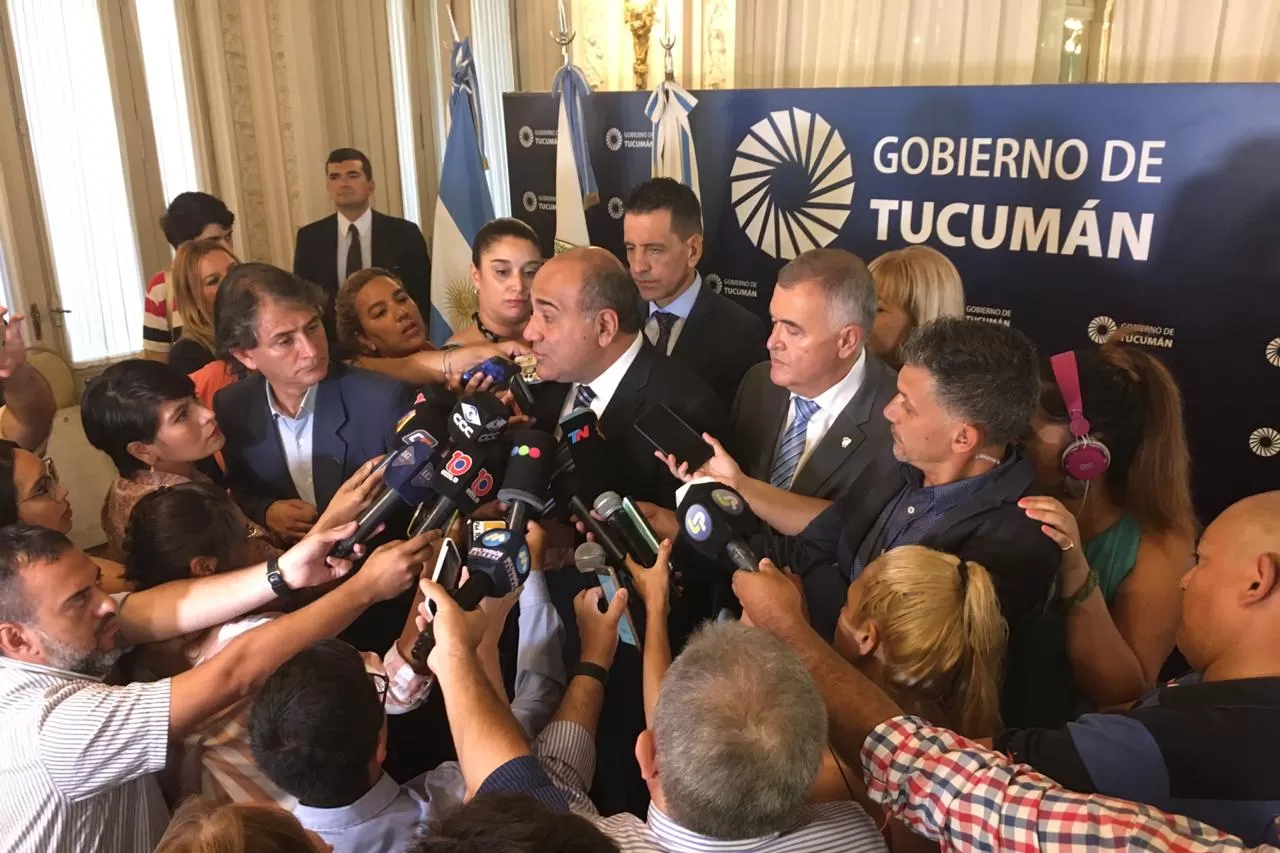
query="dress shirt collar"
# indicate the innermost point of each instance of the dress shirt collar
(383, 793)
(363, 223)
(41, 669)
(307, 408)
(672, 836)
(606, 384)
(834, 399)
(682, 305)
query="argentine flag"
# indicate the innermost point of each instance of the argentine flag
(464, 205)
(673, 155)
(575, 181)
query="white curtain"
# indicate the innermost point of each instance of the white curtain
(1195, 41)
(167, 95)
(62, 69)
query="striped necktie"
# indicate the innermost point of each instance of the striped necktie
(583, 396)
(791, 447)
(666, 322)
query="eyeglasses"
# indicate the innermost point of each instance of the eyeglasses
(46, 485)
(382, 684)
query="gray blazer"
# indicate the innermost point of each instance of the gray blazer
(858, 435)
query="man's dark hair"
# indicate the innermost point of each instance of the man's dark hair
(8, 489)
(671, 195)
(173, 525)
(983, 373)
(342, 155)
(607, 284)
(497, 229)
(22, 545)
(315, 724)
(511, 823)
(235, 308)
(122, 405)
(189, 213)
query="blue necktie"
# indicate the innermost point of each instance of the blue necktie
(583, 397)
(666, 322)
(791, 447)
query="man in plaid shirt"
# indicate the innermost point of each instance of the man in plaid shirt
(944, 787)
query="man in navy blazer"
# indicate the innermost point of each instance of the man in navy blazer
(299, 426)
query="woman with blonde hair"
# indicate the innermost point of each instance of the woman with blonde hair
(201, 825)
(198, 269)
(1128, 531)
(913, 286)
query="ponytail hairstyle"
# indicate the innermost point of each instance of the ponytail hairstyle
(941, 635)
(1134, 406)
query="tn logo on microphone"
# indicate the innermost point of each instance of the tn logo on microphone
(579, 434)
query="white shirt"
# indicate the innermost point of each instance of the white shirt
(681, 306)
(606, 384)
(295, 438)
(831, 403)
(77, 759)
(364, 226)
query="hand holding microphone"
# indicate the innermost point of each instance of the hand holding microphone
(463, 478)
(714, 519)
(406, 481)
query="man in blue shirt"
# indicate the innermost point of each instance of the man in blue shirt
(318, 730)
(1208, 745)
(710, 335)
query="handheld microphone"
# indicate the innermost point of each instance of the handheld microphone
(524, 488)
(580, 431)
(496, 565)
(406, 479)
(589, 558)
(478, 419)
(714, 519)
(638, 535)
(462, 483)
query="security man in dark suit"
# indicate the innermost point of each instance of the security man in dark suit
(585, 334)
(356, 237)
(710, 334)
(965, 396)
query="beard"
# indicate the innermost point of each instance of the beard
(95, 663)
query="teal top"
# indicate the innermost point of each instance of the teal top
(1113, 553)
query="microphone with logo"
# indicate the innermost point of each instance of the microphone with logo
(497, 564)
(467, 473)
(524, 488)
(580, 431)
(715, 520)
(406, 481)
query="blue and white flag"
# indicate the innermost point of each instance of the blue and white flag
(673, 155)
(575, 181)
(464, 205)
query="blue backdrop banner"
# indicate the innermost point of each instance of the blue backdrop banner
(1067, 209)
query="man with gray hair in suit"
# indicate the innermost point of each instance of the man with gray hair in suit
(732, 750)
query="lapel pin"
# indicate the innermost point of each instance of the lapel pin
(845, 442)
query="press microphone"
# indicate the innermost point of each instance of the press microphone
(580, 432)
(478, 419)
(714, 519)
(590, 558)
(524, 488)
(465, 479)
(406, 480)
(497, 564)
(635, 530)
(429, 416)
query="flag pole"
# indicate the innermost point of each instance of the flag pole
(564, 38)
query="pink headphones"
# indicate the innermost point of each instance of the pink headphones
(1085, 458)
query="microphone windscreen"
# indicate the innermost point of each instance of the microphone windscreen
(589, 557)
(478, 419)
(712, 514)
(529, 467)
(503, 556)
(408, 473)
(607, 503)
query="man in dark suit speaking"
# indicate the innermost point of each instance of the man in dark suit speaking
(357, 236)
(709, 334)
(585, 334)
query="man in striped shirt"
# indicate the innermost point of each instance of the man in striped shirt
(77, 755)
(737, 738)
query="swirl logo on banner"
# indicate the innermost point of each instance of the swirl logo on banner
(792, 183)
(1070, 212)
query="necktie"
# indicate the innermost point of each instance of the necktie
(791, 448)
(666, 322)
(582, 399)
(354, 262)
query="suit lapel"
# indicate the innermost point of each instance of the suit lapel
(266, 453)
(777, 402)
(845, 434)
(690, 343)
(379, 245)
(328, 447)
(625, 405)
(329, 251)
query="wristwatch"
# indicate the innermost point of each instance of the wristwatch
(276, 579)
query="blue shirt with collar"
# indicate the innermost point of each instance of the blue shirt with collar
(295, 440)
(681, 306)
